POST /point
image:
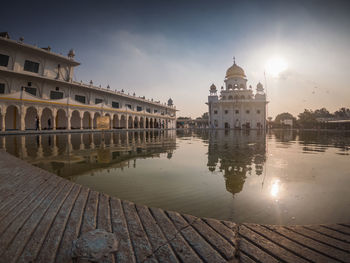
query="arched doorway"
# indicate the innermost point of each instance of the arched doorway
(147, 123)
(46, 119)
(75, 120)
(130, 122)
(86, 120)
(151, 123)
(115, 121)
(123, 122)
(142, 123)
(136, 122)
(109, 120)
(12, 118)
(61, 120)
(30, 118)
(96, 115)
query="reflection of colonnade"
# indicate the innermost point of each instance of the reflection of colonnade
(83, 151)
(23, 117)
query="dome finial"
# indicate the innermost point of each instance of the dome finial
(234, 60)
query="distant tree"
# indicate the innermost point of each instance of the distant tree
(205, 115)
(284, 116)
(307, 119)
(322, 113)
(342, 113)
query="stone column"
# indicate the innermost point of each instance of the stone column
(40, 113)
(81, 114)
(3, 120)
(69, 116)
(22, 114)
(54, 116)
(127, 121)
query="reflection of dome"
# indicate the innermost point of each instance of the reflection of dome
(212, 87)
(235, 71)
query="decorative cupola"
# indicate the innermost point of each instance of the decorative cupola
(259, 88)
(213, 89)
(71, 54)
(170, 102)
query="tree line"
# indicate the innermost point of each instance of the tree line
(310, 118)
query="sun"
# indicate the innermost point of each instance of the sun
(276, 65)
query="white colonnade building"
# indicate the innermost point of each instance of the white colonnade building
(37, 84)
(237, 106)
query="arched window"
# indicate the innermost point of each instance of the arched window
(229, 86)
(223, 98)
(235, 86)
(242, 97)
(230, 97)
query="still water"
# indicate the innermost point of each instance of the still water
(283, 177)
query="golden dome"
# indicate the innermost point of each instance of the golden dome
(235, 71)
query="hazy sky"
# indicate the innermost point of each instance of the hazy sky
(177, 49)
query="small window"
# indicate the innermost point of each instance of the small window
(4, 60)
(223, 97)
(2, 88)
(139, 108)
(56, 95)
(30, 90)
(237, 111)
(128, 106)
(98, 101)
(115, 104)
(57, 88)
(155, 111)
(79, 98)
(226, 111)
(31, 66)
(148, 110)
(229, 86)
(247, 111)
(215, 112)
(258, 111)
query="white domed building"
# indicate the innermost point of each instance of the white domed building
(237, 106)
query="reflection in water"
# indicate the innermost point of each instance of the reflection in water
(236, 154)
(69, 155)
(284, 177)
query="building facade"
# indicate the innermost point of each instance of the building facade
(237, 106)
(37, 91)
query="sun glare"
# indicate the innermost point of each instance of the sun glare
(276, 65)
